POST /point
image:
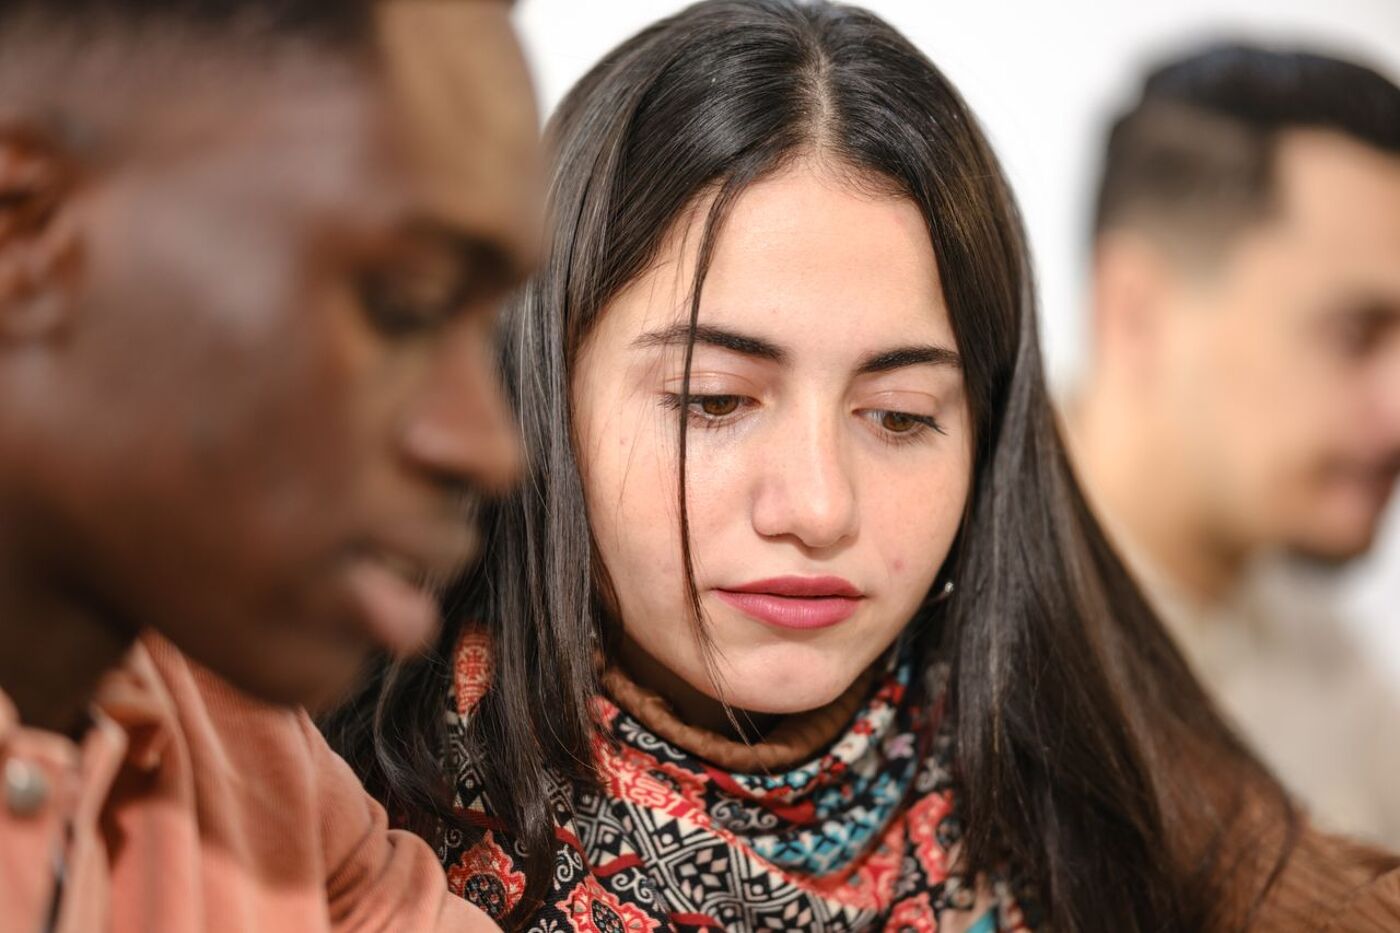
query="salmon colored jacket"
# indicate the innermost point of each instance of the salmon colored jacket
(190, 807)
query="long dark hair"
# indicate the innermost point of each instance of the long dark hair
(1079, 729)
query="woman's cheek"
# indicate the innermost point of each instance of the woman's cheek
(915, 525)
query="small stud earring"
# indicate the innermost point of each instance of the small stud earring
(944, 593)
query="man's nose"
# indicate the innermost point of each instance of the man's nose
(461, 429)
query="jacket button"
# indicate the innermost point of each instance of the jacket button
(26, 788)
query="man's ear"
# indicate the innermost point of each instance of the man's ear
(39, 238)
(1130, 275)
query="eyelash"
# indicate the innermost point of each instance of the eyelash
(697, 417)
(922, 425)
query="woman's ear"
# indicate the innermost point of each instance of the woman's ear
(39, 238)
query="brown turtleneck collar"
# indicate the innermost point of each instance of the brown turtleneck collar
(793, 740)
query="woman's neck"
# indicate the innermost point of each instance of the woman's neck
(693, 707)
(702, 727)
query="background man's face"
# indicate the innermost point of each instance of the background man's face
(1282, 367)
(277, 397)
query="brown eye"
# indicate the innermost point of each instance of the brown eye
(896, 422)
(717, 406)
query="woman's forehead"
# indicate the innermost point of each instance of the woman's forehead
(800, 259)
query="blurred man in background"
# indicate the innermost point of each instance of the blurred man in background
(1243, 409)
(250, 255)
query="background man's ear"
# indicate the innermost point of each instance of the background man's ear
(39, 241)
(1130, 276)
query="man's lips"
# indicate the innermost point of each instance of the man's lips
(1375, 480)
(396, 610)
(392, 583)
(795, 602)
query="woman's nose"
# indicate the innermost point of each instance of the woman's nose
(807, 490)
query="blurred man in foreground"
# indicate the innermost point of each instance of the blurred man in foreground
(1243, 409)
(249, 258)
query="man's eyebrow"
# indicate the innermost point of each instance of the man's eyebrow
(1380, 309)
(883, 361)
(709, 335)
(483, 259)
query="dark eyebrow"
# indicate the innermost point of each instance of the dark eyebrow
(485, 262)
(1372, 310)
(714, 337)
(879, 362)
(900, 357)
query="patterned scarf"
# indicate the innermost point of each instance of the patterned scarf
(860, 837)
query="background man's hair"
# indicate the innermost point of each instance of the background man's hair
(1192, 159)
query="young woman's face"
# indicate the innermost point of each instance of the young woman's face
(829, 448)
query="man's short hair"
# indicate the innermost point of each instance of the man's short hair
(76, 71)
(1192, 160)
(324, 21)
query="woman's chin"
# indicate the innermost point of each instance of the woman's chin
(798, 692)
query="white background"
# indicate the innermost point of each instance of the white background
(1043, 76)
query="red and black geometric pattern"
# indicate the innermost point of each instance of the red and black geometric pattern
(863, 837)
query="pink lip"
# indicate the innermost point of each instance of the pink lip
(795, 602)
